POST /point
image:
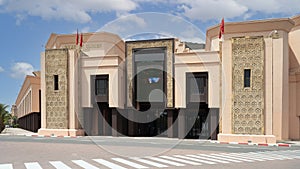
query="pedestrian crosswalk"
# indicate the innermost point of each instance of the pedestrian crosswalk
(165, 161)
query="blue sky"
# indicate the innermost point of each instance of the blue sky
(26, 25)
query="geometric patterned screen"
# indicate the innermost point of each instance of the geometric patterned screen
(248, 99)
(168, 44)
(57, 112)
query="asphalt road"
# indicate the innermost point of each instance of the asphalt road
(40, 152)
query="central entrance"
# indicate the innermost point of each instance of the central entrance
(149, 90)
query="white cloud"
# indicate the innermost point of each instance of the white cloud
(80, 10)
(69, 10)
(205, 10)
(1, 69)
(272, 6)
(211, 9)
(125, 23)
(21, 69)
(154, 25)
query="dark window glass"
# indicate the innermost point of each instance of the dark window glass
(247, 77)
(55, 82)
(149, 79)
(197, 85)
(101, 86)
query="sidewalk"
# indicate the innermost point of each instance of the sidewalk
(16, 131)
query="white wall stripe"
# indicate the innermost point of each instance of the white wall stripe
(132, 164)
(194, 159)
(108, 164)
(230, 157)
(180, 160)
(220, 158)
(33, 165)
(6, 166)
(210, 159)
(166, 161)
(59, 165)
(150, 163)
(84, 164)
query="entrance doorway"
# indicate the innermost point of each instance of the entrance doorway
(201, 122)
(155, 118)
(197, 122)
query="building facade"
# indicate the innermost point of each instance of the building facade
(242, 89)
(27, 107)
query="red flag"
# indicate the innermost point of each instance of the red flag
(77, 38)
(81, 39)
(221, 29)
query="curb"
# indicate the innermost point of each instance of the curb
(254, 144)
(48, 136)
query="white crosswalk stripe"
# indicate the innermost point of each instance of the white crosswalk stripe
(255, 157)
(150, 163)
(241, 156)
(220, 158)
(59, 165)
(180, 160)
(108, 164)
(132, 164)
(84, 164)
(167, 161)
(33, 165)
(209, 159)
(244, 156)
(291, 154)
(230, 157)
(195, 159)
(263, 156)
(278, 155)
(6, 166)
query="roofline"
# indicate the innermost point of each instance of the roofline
(146, 40)
(255, 21)
(53, 37)
(23, 85)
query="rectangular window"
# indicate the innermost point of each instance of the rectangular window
(55, 82)
(101, 86)
(197, 85)
(247, 77)
(149, 80)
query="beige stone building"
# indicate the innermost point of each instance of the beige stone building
(27, 106)
(246, 88)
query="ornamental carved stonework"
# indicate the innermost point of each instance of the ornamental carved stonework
(166, 43)
(248, 102)
(56, 63)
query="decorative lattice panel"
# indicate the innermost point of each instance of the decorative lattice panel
(56, 63)
(248, 102)
(168, 44)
